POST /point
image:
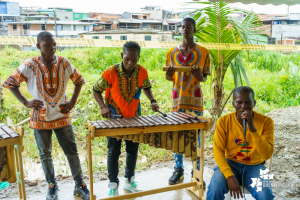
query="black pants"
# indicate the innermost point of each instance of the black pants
(114, 151)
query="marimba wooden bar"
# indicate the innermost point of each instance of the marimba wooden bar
(12, 139)
(175, 136)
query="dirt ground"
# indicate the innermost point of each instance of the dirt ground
(285, 161)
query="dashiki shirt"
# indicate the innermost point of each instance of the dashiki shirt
(49, 87)
(122, 93)
(186, 92)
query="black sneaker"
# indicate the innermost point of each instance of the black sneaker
(52, 192)
(204, 184)
(177, 175)
(82, 191)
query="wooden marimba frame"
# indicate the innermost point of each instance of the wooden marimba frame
(12, 138)
(194, 186)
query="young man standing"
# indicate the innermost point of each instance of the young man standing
(241, 158)
(47, 76)
(186, 92)
(123, 84)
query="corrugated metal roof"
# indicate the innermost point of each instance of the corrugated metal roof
(261, 2)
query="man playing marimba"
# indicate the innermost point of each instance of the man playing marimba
(123, 84)
(47, 76)
(241, 159)
(186, 93)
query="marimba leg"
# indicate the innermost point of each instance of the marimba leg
(187, 144)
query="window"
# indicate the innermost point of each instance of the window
(84, 15)
(135, 17)
(123, 37)
(95, 37)
(43, 27)
(108, 37)
(14, 26)
(74, 27)
(86, 28)
(26, 26)
(144, 17)
(59, 27)
(76, 15)
(147, 37)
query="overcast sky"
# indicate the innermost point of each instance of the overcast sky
(119, 6)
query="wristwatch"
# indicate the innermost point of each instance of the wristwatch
(153, 100)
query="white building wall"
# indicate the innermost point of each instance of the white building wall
(135, 37)
(64, 15)
(287, 31)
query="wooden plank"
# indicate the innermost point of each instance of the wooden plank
(121, 125)
(157, 120)
(171, 120)
(152, 139)
(182, 119)
(153, 191)
(131, 120)
(163, 119)
(127, 120)
(102, 124)
(97, 126)
(4, 135)
(8, 142)
(154, 121)
(141, 121)
(108, 124)
(9, 131)
(169, 140)
(158, 140)
(151, 120)
(163, 140)
(175, 119)
(187, 144)
(175, 142)
(186, 117)
(181, 142)
(127, 124)
(193, 146)
(144, 120)
(151, 129)
(113, 123)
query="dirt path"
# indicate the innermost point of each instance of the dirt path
(285, 163)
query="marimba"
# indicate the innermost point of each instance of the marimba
(169, 132)
(11, 144)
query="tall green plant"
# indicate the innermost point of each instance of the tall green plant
(216, 25)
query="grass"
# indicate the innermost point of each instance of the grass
(264, 79)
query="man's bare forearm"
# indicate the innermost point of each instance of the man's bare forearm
(99, 99)
(16, 91)
(77, 89)
(148, 93)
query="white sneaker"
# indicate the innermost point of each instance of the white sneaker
(113, 189)
(132, 186)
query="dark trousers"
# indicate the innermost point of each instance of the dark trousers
(114, 151)
(66, 139)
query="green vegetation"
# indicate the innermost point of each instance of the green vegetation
(274, 89)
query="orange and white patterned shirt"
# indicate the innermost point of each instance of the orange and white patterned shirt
(51, 92)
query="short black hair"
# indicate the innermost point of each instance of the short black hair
(132, 46)
(43, 34)
(189, 19)
(243, 89)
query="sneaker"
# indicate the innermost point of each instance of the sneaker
(82, 191)
(52, 192)
(132, 186)
(113, 189)
(204, 184)
(177, 175)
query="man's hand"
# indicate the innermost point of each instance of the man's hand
(67, 106)
(248, 115)
(154, 107)
(195, 70)
(37, 104)
(170, 72)
(234, 187)
(105, 112)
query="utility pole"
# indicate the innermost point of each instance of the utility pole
(281, 38)
(55, 22)
(162, 25)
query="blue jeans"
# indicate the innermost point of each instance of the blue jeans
(218, 184)
(66, 139)
(114, 151)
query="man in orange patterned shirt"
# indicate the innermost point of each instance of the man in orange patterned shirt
(186, 92)
(47, 76)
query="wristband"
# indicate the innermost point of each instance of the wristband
(153, 100)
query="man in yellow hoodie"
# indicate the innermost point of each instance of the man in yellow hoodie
(241, 159)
